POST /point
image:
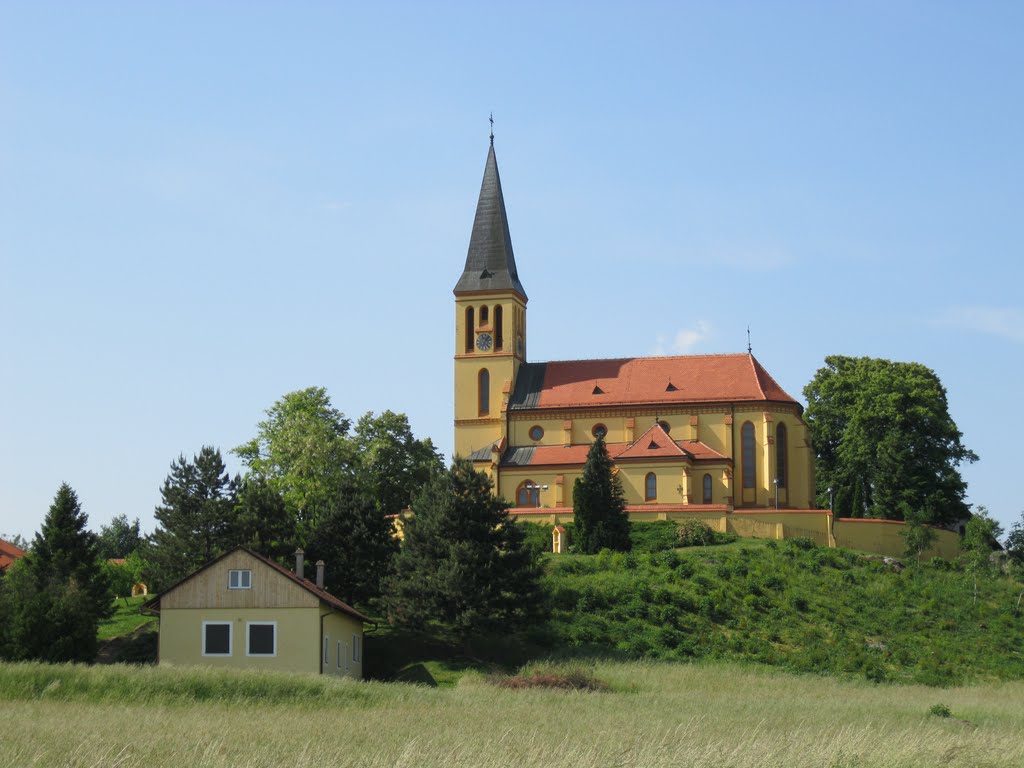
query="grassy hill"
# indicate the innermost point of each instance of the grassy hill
(652, 715)
(794, 605)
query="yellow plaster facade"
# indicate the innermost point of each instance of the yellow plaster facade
(309, 634)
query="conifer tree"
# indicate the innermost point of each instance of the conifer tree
(357, 544)
(599, 505)
(55, 598)
(198, 519)
(463, 563)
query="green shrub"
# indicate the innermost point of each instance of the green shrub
(939, 710)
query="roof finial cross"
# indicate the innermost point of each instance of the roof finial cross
(750, 349)
(492, 129)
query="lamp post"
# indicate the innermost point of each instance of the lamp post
(530, 487)
(776, 481)
(830, 509)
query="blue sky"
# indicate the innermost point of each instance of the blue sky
(205, 206)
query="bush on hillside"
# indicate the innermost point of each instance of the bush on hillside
(697, 533)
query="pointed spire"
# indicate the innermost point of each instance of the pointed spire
(490, 263)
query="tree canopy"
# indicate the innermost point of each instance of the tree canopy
(120, 538)
(463, 565)
(599, 504)
(884, 441)
(302, 450)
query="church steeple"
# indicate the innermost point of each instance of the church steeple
(490, 263)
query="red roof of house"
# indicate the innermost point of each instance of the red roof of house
(641, 380)
(8, 554)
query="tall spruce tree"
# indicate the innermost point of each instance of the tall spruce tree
(463, 566)
(55, 598)
(198, 519)
(599, 505)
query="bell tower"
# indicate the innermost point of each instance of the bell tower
(490, 324)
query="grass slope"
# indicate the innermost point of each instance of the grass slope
(794, 605)
(654, 715)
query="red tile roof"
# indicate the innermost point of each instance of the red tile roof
(571, 455)
(652, 444)
(637, 380)
(8, 554)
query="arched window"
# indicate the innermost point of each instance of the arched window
(665, 426)
(781, 452)
(483, 315)
(469, 329)
(748, 450)
(528, 494)
(650, 487)
(499, 341)
(484, 392)
(707, 489)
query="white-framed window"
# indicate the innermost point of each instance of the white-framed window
(327, 649)
(216, 638)
(339, 654)
(261, 638)
(357, 648)
(239, 579)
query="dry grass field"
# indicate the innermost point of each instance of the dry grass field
(655, 714)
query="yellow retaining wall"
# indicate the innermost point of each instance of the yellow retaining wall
(885, 537)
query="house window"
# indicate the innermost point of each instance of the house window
(239, 579)
(483, 315)
(357, 648)
(469, 329)
(216, 638)
(261, 638)
(499, 340)
(599, 430)
(327, 649)
(528, 494)
(339, 654)
(484, 393)
(707, 489)
(651, 487)
(536, 432)
(747, 456)
(781, 470)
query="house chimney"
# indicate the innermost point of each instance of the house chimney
(319, 574)
(300, 566)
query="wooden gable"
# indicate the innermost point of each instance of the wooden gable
(208, 588)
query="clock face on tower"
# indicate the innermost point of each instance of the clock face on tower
(483, 341)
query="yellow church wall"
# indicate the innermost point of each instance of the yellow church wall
(885, 537)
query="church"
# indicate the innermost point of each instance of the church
(687, 434)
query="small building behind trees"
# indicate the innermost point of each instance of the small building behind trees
(244, 610)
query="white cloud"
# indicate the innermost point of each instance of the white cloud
(1007, 322)
(683, 340)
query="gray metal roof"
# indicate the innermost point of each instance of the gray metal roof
(519, 457)
(481, 454)
(490, 263)
(529, 382)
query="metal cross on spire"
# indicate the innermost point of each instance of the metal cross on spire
(492, 129)
(750, 349)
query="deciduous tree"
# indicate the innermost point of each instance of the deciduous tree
(120, 538)
(599, 505)
(884, 440)
(303, 451)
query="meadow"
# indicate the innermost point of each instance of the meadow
(653, 714)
